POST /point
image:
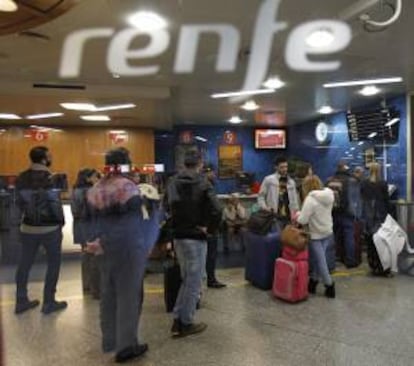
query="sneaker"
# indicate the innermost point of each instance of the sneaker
(190, 329)
(215, 284)
(51, 307)
(176, 327)
(330, 291)
(131, 352)
(23, 306)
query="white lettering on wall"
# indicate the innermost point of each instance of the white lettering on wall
(188, 46)
(119, 52)
(297, 50)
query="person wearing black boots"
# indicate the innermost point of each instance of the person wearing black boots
(317, 214)
(212, 241)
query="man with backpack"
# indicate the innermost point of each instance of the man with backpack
(346, 213)
(195, 212)
(42, 221)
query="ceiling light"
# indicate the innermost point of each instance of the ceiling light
(372, 135)
(96, 118)
(363, 82)
(320, 38)
(116, 76)
(250, 105)
(202, 139)
(9, 116)
(360, 143)
(118, 131)
(369, 90)
(89, 107)
(241, 93)
(392, 122)
(147, 21)
(45, 115)
(274, 83)
(326, 109)
(8, 5)
(235, 120)
(352, 148)
(114, 107)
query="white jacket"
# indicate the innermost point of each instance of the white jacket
(317, 213)
(268, 197)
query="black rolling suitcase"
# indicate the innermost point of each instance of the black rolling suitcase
(172, 283)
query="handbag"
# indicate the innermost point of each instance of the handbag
(261, 222)
(294, 237)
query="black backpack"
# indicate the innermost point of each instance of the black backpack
(42, 207)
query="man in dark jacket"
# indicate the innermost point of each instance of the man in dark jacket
(346, 213)
(212, 241)
(195, 211)
(42, 221)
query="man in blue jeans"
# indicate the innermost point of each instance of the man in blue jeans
(195, 212)
(42, 222)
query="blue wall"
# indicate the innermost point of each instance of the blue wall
(301, 144)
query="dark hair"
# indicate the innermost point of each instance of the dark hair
(191, 158)
(38, 153)
(280, 160)
(209, 168)
(119, 156)
(82, 179)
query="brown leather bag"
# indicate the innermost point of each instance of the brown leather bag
(294, 237)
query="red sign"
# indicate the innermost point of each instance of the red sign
(148, 169)
(39, 135)
(270, 139)
(186, 137)
(229, 137)
(118, 137)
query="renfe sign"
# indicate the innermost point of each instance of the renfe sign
(296, 51)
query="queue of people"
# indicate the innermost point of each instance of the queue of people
(117, 223)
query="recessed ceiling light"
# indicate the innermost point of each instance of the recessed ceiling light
(45, 115)
(250, 105)
(242, 93)
(235, 120)
(117, 131)
(326, 109)
(114, 107)
(363, 82)
(392, 122)
(274, 83)
(9, 116)
(116, 76)
(147, 21)
(96, 118)
(361, 143)
(320, 38)
(372, 135)
(89, 107)
(8, 5)
(369, 90)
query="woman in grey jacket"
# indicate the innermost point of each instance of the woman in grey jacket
(317, 214)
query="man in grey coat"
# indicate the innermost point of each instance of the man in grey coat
(278, 193)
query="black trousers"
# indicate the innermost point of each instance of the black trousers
(212, 242)
(52, 242)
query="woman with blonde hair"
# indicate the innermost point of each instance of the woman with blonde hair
(317, 214)
(375, 207)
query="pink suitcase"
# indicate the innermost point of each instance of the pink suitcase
(291, 279)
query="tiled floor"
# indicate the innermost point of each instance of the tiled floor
(370, 323)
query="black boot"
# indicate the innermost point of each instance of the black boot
(330, 291)
(312, 286)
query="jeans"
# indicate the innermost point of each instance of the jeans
(318, 251)
(191, 256)
(211, 258)
(52, 243)
(344, 237)
(122, 296)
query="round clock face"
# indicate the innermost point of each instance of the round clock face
(322, 132)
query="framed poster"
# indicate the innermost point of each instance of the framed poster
(369, 156)
(272, 138)
(230, 161)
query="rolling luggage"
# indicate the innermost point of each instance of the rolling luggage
(291, 276)
(261, 252)
(340, 249)
(172, 283)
